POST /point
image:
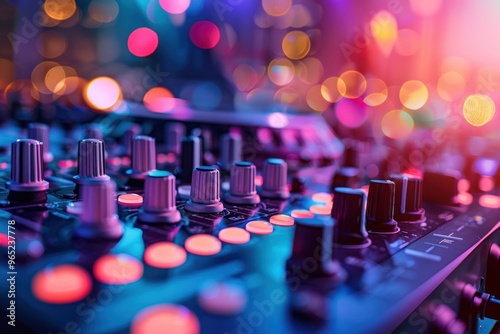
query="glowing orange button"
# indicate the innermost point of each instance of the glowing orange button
(203, 244)
(259, 227)
(62, 284)
(284, 220)
(234, 235)
(302, 214)
(489, 201)
(130, 200)
(164, 255)
(320, 210)
(322, 197)
(165, 318)
(117, 269)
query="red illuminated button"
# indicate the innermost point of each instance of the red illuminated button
(117, 269)
(165, 255)
(489, 201)
(203, 244)
(321, 210)
(130, 200)
(234, 235)
(259, 227)
(284, 220)
(165, 318)
(62, 284)
(300, 214)
(322, 197)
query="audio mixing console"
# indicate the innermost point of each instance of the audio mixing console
(192, 222)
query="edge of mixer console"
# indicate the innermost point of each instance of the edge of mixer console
(228, 247)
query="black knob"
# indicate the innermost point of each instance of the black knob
(190, 157)
(441, 187)
(349, 212)
(408, 198)
(346, 177)
(312, 253)
(380, 207)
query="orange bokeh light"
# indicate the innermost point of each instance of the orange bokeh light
(103, 93)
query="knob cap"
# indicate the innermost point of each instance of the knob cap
(380, 208)
(26, 169)
(40, 132)
(230, 150)
(275, 184)
(242, 184)
(133, 131)
(159, 199)
(93, 131)
(312, 250)
(143, 157)
(408, 198)
(190, 157)
(98, 218)
(349, 212)
(91, 161)
(441, 187)
(205, 191)
(174, 132)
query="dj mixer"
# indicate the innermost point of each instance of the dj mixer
(196, 222)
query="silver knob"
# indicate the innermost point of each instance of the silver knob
(205, 190)
(159, 199)
(40, 132)
(143, 157)
(91, 161)
(99, 218)
(275, 184)
(242, 184)
(26, 166)
(230, 150)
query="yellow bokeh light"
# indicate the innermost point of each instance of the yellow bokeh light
(376, 92)
(103, 93)
(281, 71)
(413, 94)
(59, 9)
(56, 79)
(384, 28)
(276, 7)
(397, 124)
(451, 86)
(478, 109)
(355, 84)
(315, 99)
(296, 44)
(38, 76)
(333, 89)
(310, 71)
